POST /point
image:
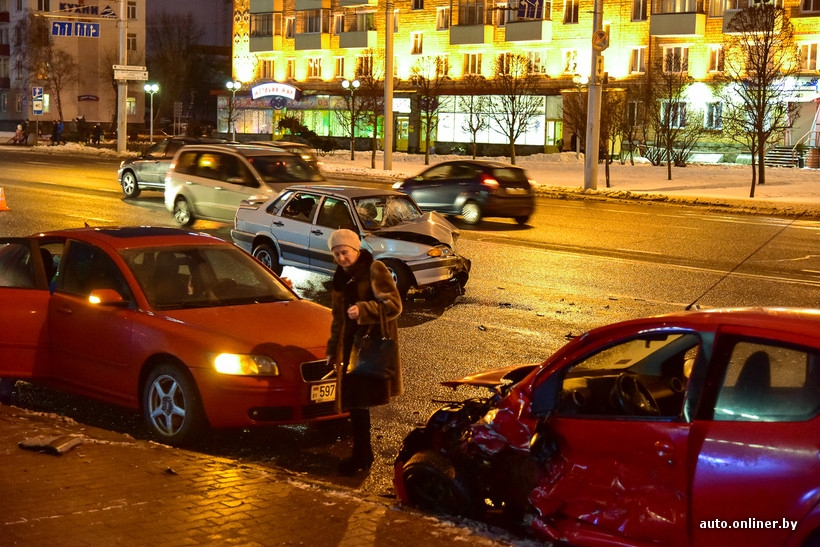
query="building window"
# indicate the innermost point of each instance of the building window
(4, 67)
(4, 102)
(675, 59)
(364, 21)
(673, 114)
(570, 63)
(810, 5)
(417, 41)
(290, 25)
(313, 21)
(338, 23)
(290, 69)
(4, 34)
(501, 14)
(266, 69)
(43, 5)
(714, 116)
(131, 106)
(396, 21)
(418, 4)
(637, 60)
(472, 63)
(716, 8)
(633, 113)
(639, 9)
(132, 10)
(678, 6)
(808, 56)
(277, 24)
(131, 42)
(364, 65)
(339, 67)
(442, 18)
(537, 62)
(471, 12)
(315, 67)
(262, 24)
(571, 11)
(715, 58)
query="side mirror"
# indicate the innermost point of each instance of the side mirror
(287, 281)
(106, 297)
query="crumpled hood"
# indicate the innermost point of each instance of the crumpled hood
(429, 225)
(494, 378)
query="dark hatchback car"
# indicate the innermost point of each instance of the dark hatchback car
(147, 171)
(473, 189)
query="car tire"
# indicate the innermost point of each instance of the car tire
(267, 255)
(182, 212)
(130, 186)
(401, 275)
(522, 219)
(433, 484)
(171, 405)
(471, 213)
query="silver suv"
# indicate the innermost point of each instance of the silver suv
(209, 181)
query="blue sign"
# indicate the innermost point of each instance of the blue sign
(87, 30)
(61, 28)
(37, 93)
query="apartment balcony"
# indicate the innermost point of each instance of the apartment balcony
(265, 43)
(357, 3)
(315, 40)
(358, 39)
(805, 24)
(527, 31)
(677, 18)
(303, 5)
(730, 14)
(471, 34)
(265, 6)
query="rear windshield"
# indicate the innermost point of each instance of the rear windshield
(516, 177)
(284, 169)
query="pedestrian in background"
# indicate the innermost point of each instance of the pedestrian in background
(363, 288)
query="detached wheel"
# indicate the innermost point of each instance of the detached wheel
(434, 485)
(171, 405)
(471, 213)
(401, 275)
(182, 212)
(130, 186)
(267, 255)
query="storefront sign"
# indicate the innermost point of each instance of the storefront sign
(276, 89)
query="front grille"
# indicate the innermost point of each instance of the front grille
(314, 371)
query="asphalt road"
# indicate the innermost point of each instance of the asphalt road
(579, 264)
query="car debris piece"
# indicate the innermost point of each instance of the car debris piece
(56, 445)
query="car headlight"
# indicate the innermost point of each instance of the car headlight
(435, 251)
(397, 185)
(245, 365)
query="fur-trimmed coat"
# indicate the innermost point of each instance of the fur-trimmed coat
(369, 285)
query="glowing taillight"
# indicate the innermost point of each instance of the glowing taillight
(489, 182)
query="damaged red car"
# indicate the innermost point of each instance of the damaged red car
(694, 428)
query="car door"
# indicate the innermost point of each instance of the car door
(91, 343)
(235, 183)
(155, 162)
(621, 469)
(24, 299)
(292, 228)
(333, 214)
(429, 189)
(758, 463)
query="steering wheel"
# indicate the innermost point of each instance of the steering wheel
(633, 397)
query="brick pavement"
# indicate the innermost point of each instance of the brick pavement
(115, 490)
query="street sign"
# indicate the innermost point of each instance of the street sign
(61, 28)
(135, 68)
(69, 28)
(599, 67)
(37, 100)
(600, 40)
(136, 75)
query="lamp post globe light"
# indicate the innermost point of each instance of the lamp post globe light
(151, 89)
(233, 86)
(352, 86)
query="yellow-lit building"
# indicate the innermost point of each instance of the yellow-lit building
(314, 45)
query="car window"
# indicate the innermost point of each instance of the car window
(462, 172)
(283, 168)
(767, 382)
(437, 172)
(158, 150)
(186, 163)
(645, 376)
(173, 146)
(336, 214)
(235, 171)
(384, 211)
(188, 277)
(279, 203)
(86, 268)
(16, 266)
(301, 207)
(509, 174)
(209, 165)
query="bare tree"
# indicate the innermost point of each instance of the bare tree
(575, 104)
(613, 112)
(676, 127)
(759, 55)
(370, 96)
(516, 103)
(429, 76)
(44, 62)
(475, 105)
(634, 121)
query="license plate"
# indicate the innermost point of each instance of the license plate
(321, 393)
(516, 190)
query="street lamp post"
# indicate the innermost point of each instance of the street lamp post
(233, 86)
(151, 89)
(352, 86)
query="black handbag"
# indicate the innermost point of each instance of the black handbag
(374, 355)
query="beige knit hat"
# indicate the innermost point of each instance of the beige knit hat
(344, 237)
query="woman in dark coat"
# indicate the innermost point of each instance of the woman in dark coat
(361, 287)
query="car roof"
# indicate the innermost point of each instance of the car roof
(136, 236)
(347, 191)
(243, 149)
(281, 144)
(481, 163)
